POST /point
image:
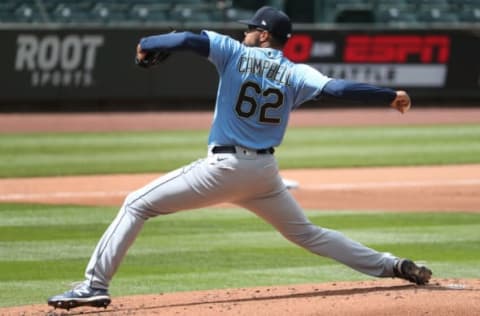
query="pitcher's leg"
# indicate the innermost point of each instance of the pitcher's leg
(284, 213)
(178, 190)
(122, 232)
(112, 247)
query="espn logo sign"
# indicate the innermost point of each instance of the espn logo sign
(397, 49)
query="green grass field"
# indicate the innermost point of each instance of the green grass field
(44, 248)
(133, 152)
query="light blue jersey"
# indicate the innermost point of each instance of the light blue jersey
(258, 89)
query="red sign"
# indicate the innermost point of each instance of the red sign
(378, 48)
(298, 47)
(396, 49)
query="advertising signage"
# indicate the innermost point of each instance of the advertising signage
(97, 64)
(55, 60)
(413, 60)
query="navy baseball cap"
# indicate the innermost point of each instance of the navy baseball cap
(272, 20)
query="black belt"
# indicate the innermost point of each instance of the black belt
(233, 150)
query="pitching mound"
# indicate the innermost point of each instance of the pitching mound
(378, 297)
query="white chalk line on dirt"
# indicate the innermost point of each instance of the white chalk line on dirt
(60, 195)
(319, 187)
(390, 184)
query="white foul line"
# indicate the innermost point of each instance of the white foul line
(389, 184)
(59, 195)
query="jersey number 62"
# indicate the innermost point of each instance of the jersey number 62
(251, 109)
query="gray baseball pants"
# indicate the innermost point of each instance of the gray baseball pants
(244, 178)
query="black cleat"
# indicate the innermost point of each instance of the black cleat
(408, 270)
(81, 295)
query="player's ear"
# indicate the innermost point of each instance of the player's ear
(265, 36)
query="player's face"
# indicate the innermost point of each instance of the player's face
(252, 36)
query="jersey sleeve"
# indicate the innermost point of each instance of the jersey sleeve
(222, 48)
(310, 84)
(357, 91)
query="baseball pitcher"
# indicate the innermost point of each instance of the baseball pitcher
(258, 89)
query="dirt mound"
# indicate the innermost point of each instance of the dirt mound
(380, 297)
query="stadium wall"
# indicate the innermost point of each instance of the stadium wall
(72, 69)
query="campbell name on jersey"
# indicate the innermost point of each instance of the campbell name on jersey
(265, 68)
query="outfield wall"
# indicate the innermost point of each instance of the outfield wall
(94, 66)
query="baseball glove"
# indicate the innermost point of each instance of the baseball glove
(152, 59)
